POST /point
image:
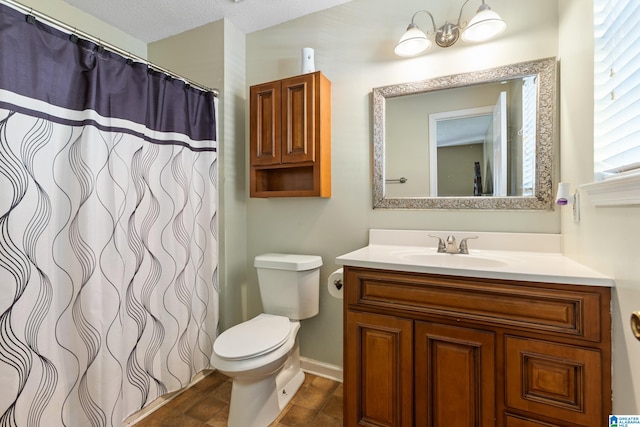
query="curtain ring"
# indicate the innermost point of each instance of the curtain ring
(73, 36)
(30, 18)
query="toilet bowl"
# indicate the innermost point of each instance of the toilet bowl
(262, 355)
(263, 383)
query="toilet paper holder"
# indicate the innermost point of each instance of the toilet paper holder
(335, 284)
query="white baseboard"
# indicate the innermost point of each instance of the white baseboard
(321, 369)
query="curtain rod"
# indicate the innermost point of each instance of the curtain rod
(72, 30)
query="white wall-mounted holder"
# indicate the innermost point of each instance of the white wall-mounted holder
(308, 62)
(564, 198)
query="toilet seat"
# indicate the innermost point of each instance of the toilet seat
(260, 335)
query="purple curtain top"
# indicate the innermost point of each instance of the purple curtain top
(102, 88)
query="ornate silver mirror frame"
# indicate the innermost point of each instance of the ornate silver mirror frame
(544, 69)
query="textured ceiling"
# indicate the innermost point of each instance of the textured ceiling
(151, 20)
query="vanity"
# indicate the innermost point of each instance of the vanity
(512, 334)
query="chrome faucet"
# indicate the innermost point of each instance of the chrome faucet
(450, 247)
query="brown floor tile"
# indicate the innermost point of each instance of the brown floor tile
(323, 420)
(311, 397)
(181, 421)
(220, 419)
(308, 379)
(333, 408)
(205, 409)
(339, 391)
(324, 384)
(297, 416)
(318, 403)
(222, 392)
(185, 399)
(210, 382)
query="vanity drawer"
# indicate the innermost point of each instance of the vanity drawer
(551, 379)
(515, 421)
(555, 309)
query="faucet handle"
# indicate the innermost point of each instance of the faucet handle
(441, 246)
(464, 248)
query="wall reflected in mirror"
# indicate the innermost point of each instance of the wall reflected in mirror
(435, 140)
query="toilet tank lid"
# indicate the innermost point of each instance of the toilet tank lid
(290, 262)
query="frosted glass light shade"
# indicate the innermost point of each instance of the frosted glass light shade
(412, 42)
(484, 25)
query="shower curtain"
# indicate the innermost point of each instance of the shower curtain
(108, 230)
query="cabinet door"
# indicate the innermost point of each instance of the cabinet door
(378, 371)
(265, 122)
(298, 119)
(555, 380)
(454, 376)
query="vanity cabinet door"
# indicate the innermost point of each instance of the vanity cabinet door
(555, 380)
(378, 371)
(454, 376)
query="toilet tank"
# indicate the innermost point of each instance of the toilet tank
(289, 284)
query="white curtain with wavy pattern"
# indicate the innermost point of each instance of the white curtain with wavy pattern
(108, 232)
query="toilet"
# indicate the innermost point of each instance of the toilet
(262, 354)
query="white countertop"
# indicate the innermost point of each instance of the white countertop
(528, 257)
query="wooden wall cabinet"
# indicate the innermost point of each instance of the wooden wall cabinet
(290, 137)
(432, 350)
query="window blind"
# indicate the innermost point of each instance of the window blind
(616, 87)
(529, 120)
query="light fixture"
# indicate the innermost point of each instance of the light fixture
(485, 25)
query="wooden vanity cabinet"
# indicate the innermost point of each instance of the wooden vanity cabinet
(290, 137)
(434, 350)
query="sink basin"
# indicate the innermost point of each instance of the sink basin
(449, 260)
(509, 256)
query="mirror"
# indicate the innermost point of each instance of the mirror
(481, 140)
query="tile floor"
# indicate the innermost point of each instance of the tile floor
(318, 403)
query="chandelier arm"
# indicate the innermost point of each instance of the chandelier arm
(433, 21)
(460, 14)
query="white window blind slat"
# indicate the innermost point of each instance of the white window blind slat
(616, 86)
(529, 118)
(611, 117)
